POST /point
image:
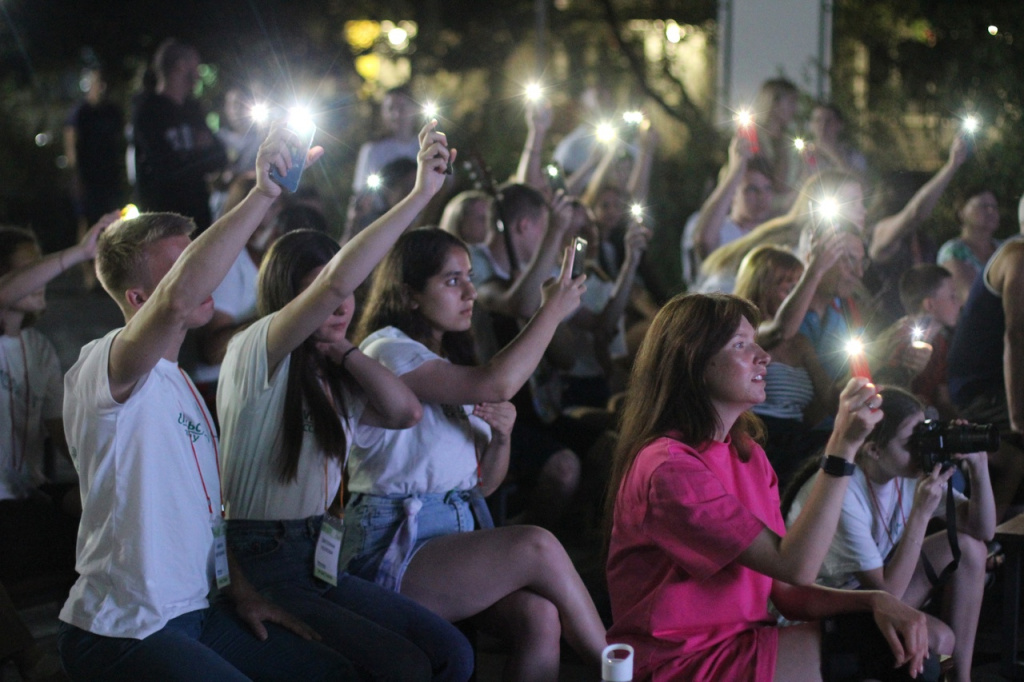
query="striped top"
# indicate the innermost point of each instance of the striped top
(788, 390)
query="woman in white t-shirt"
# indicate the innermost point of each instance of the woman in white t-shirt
(881, 541)
(416, 520)
(292, 389)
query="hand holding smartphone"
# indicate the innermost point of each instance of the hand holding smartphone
(305, 133)
(579, 247)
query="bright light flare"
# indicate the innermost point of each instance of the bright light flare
(744, 119)
(854, 347)
(430, 110)
(634, 118)
(300, 120)
(637, 211)
(552, 170)
(799, 144)
(259, 112)
(130, 211)
(373, 181)
(993, 30)
(533, 92)
(971, 124)
(606, 132)
(829, 208)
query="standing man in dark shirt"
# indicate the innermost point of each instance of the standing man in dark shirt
(94, 147)
(986, 362)
(174, 149)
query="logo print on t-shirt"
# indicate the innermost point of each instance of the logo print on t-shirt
(194, 430)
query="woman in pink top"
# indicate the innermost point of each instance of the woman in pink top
(698, 545)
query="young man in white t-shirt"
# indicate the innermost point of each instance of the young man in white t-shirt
(150, 544)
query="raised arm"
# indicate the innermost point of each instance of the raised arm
(890, 231)
(797, 557)
(161, 314)
(522, 297)
(786, 323)
(708, 233)
(360, 255)
(977, 516)
(538, 121)
(606, 321)
(639, 182)
(20, 282)
(503, 375)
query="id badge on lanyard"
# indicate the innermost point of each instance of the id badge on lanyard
(220, 552)
(328, 549)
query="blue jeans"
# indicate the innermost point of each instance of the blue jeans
(209, 644)
(387, 636)
(372, 522)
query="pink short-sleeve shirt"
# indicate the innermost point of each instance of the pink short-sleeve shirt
(681, 519)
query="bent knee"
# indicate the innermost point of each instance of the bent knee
(973, 553)
(563, 468)
(941, 639)
(539, 547)
(534, 618)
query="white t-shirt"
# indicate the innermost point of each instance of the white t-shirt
(31, 392)
(375, 155)
(251, 409)
(866, 534)
(691, 261)
(145, 543)
(437, 455)
(235, 297)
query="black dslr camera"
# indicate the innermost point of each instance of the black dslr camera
(935, 442)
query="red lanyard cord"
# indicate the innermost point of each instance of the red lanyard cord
(216, 452)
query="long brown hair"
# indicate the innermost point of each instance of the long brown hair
(287, 263)
(668, 388)
(417, 256)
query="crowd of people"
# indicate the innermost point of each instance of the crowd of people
(394, 427)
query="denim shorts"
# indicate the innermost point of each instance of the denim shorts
(372, 523)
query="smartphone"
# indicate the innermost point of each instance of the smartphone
(555, 176)
(291, 181)
(579, 247)
(749, 132)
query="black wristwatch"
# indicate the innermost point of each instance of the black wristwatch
(837, 466)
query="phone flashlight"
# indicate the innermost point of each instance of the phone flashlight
(533, 92)
(605, 132)
(637, 211)
(579, 247)
(129, 211)
(430, 110)
(917, 338)
(259, 112)
(634, 118)
(799, 144)
(746, 128)
(300, 122)
(373, 181)
(858, 360)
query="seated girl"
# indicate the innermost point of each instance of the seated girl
(417, 522)
(697, 543)
(881, 543)
(292, 389)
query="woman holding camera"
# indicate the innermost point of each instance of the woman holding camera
(881, 543)
(697, 543)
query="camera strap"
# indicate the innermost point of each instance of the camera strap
(954, 543)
